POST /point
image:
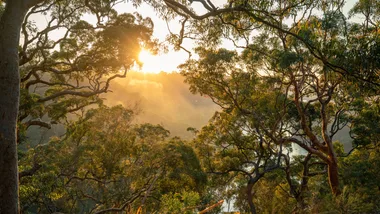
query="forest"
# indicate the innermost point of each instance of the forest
(276, 109)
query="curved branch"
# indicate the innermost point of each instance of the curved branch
(38, 123)
(241, 8)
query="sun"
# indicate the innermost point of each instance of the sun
(145, 56)
(166, 62)
(150, 63)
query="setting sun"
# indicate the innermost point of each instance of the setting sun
(150, 62)
(167, 62)
(145, 56)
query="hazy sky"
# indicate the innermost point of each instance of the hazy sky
(162, 99)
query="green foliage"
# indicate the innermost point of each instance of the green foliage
(365, 126)
(183, 169)
(286, 59)
(105, 161)
(299, 83)
(184, 202)
(360, 176)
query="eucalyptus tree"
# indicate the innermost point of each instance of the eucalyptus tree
(233, 152)
(58, 68)
(10, 25)
(316, 55)
(307, 96)
(106, 163)
(234, 146)
(63, 76)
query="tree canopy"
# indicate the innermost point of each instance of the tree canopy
(297, 75)
(107, 162)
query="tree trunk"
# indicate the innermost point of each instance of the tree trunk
(300, 197)
(333, 176)
(252, 207)
(10, 25)
(301, 205)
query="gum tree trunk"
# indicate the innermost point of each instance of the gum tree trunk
(10, 24)
(252, 207)
(333, 175)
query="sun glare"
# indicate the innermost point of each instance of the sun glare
(167, 62)
(150, 62)
(145, 56)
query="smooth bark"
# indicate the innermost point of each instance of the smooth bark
(333, 176)
(10, 25)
